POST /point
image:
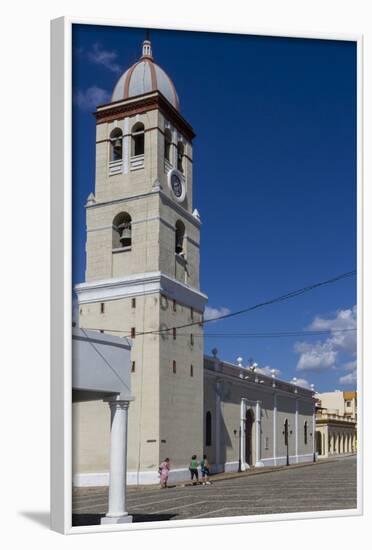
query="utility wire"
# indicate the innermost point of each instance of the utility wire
(297, 333)
(278, 299)
(282, 298)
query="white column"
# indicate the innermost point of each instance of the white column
(296, 432)
(275, 413)
(126, 146)
(259, 462)
(118, 464)
(314, 431)
(326, 441)
(218, 423)
(243, 409)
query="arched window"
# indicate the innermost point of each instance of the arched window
(305, 433)
(138, 139)
(180, 152)
(122, 231)
(116, 144)
(208, 429)
(167, 144)
(180, 234)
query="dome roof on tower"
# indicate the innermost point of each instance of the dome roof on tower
(144, 77)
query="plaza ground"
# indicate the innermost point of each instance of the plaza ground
(325, 485)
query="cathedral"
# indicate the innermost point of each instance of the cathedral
(142, 282)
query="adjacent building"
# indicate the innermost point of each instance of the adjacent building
(336, 423)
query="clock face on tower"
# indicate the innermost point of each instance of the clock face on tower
(177, 185)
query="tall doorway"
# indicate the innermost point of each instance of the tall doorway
(249, 419)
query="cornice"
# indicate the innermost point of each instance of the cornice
(139, 285)
(268, 389)
(142, 104)
(177, 207)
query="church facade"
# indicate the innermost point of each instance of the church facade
(142, 282)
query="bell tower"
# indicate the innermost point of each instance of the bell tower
(142, 265)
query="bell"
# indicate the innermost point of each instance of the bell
(125, 235)
(179, 244)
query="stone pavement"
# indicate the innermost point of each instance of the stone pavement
(325, 485)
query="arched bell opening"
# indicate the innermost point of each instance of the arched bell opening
(180, 154)
(179, 238)
(167, 144)
(116, 145)
(138, 139)
(122, 231)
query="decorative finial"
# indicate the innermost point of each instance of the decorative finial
(214, 352)
(146, 46)
(90, 200)
(196, 214)
(239, 361)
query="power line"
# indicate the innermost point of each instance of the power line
(294, 333)
(282, 298)
(269, 334)
(278, 299)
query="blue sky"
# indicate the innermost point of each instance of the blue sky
(274, 182)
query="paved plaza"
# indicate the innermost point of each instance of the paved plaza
(325, 485)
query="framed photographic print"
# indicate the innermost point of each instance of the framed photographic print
(206, 362)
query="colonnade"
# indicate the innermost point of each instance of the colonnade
(335, 442)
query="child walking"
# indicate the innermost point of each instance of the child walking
(204, 466)
(194, 470)
(164, 473)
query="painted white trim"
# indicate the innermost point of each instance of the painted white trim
(275, 421)
(101, 479)
(96, 479)
(281, 460)
(217, 423)
(296, 427)
(171, 203)
(139, 285)
(126, 146)
(259, 463)
(231, 466)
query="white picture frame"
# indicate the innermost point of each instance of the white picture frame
(61, 290)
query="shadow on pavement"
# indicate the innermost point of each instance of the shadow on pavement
(95, 519)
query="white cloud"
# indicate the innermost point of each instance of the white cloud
(107, 59)
(351, 365)
(316, 356)
(325, 355)
(214, 312)
(345, 320)
(350, 378)
(91, 97)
